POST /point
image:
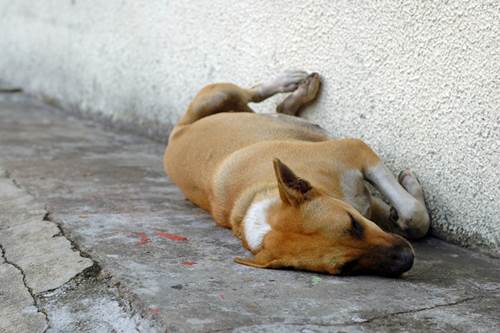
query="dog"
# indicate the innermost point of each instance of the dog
(296, 197)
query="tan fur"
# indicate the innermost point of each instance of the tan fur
(221, 156)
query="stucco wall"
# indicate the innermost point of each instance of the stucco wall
(418, 80)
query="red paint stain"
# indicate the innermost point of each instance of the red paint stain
(143, 238)
(154, 309)
(221, 296)
(171, 236)
(188, 263)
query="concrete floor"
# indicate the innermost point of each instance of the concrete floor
(145, 259)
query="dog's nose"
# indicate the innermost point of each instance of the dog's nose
(401, 260)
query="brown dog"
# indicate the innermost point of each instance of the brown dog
(318, 217)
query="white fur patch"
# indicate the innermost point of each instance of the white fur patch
(255, 222)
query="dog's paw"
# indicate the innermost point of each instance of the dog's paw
(285, 82)
(289, 80)
(409, 181)
(305, 93)
(308, 88)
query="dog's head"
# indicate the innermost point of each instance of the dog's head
(313, 231)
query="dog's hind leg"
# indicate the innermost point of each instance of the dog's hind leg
(287, 81)
(216, 98)
(228, 97)
(306, 92)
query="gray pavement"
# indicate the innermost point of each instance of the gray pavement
(142, 258)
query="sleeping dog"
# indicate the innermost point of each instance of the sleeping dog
(296, 197)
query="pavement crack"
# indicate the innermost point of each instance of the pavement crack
(28, 288)
(91, 271)
(375, 318)
(12, 90)
(398, 313)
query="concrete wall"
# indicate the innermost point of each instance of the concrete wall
(418, 80)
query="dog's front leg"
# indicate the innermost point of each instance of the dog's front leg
(410, 213)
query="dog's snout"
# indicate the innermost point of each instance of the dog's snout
(386, 261)
(395, 259)
(403, 258)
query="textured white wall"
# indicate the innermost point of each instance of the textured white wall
(418, 80)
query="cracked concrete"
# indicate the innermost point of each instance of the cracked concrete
(45, 259)
(38, 261)
(18, 311)
(90, 304)
(53, 282)
(107, 192)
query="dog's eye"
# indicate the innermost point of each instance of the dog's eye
(357, 230)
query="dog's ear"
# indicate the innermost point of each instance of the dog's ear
(293, 190)
(263, 262)
(263, 259)
(255, 262)
(252, 262)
